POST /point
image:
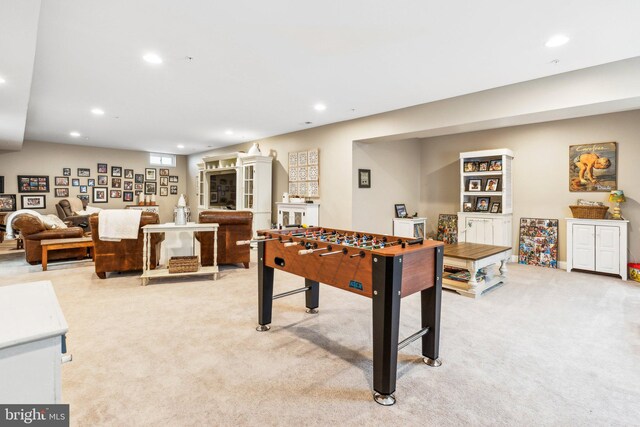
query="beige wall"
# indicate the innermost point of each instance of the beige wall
(540, 169)
(43, 158)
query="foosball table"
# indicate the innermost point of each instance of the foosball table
(383, 268)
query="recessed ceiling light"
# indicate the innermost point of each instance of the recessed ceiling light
(319, 107)
(2, 80)
(180, 146)
(152, 58)
(229, 132)
(97, 111)
(557, 40)
(74, 134)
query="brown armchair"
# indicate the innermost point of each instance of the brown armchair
(66, 213)
(125, 255)
(234, 226)
(33, 231)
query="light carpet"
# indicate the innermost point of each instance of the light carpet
(548, 348)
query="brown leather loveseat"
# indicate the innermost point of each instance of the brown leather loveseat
(234, 226)
(33, 231)
(125, 255)
(65, 213)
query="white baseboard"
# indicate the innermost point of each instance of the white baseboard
(562, 265)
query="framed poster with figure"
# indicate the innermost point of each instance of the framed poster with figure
(592, 167)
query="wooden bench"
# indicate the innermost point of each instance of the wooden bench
(55, 244)
(475, 257)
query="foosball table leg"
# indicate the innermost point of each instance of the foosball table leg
(387, 281)
(430, 301)
(265, 291)
(312, 296)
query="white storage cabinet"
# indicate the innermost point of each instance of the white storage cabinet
(298, 213)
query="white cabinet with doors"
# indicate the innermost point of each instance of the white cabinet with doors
(298, 213)
(598, 245)
(487, 229)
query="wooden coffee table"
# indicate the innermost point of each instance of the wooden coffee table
(474, 257)
(56, 244)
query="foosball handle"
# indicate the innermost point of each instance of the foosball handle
(413, 242)
(305, 251)
(243, 242)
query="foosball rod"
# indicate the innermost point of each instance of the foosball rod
(248, 242)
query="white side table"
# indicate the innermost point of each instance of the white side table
(412, 228)
(191, 227)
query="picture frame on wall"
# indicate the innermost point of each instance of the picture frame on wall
(61, 181)
(364, 178)
(164, 191)
(127, 196)
(128, 186)
(150, 187)
(482, 204)
(138, 187)
(164, 172)
(1, 184)
(475, 185)
(164, 181)
(66, 171)
(100, 195)
(7, 202)
(91, 182)
(495, 207)
(150, 174)
(83, 188)
(33, 201)
(139, 178)
(116, 171)
(33, 184)
(401, 210)
(115, 194)
(103, 168)
(173, 189)
(128, 174)
(61, 192)
(116, 182)
(103, 180)
(592, 167)
(75, 182)
(84, 172)
(173, 178)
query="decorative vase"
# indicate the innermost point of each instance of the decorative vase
(254, 150)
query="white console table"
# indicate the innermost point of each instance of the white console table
(31, 344)
(190, 227)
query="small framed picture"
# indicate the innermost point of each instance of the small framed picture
(164, 172)
(150, 187)
(482, 204)
(495, 165)
(495, 207)
(33, 184)
(66, 171)
(173, 178)
(91, 182)
(492, 184)
(102, 168)
(467, 207)
(83, 188)
(8, 202)
(139, 178)
(173, 189)
(1, 184)
(128, 174)
(214, 197)
(127, 196)
(164, 181)
(75, 182)
(103, 180)
(116, 182)
(164, 191)
(116, 171)
(84, 172)
(483, 166)
(128, 186)
(115, 194)
(364, 178)
(470, 166)
(62, 180)
(34, 202)
(401, 210)
(100, 195)
(62, 192)
(475, 185)
(150, 174)
(138, 187)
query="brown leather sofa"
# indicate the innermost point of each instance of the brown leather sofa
(125, 255)
(33, 231)
(234, 226)
(65, 213)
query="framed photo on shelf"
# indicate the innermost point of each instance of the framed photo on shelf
(61, 180)
(495, 207)
(214, 197)
(116, 171)
(75, 182)
(483, 166)
(364, 178)
(34, 202)
(470, 166)
(84, 172)
(401, 210)
(7, 202)
(66, 171)
(100, 195)
(482, 204)
(495, 165)
(128, 174)
(33, 184)
(102, 168)
(61, 192)
(150, 187)
(492, 184)
(467, 207)
(475, 185)
(150, 174)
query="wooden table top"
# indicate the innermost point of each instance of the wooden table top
(71, 240)
(472, 251)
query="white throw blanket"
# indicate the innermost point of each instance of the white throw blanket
(117, 224)
(9, 232)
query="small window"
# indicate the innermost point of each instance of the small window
(168, 160)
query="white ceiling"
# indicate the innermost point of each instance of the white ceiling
(258, 67)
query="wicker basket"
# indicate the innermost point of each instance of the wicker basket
(589, 212)
(183, 264)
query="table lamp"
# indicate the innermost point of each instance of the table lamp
(617, 197)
